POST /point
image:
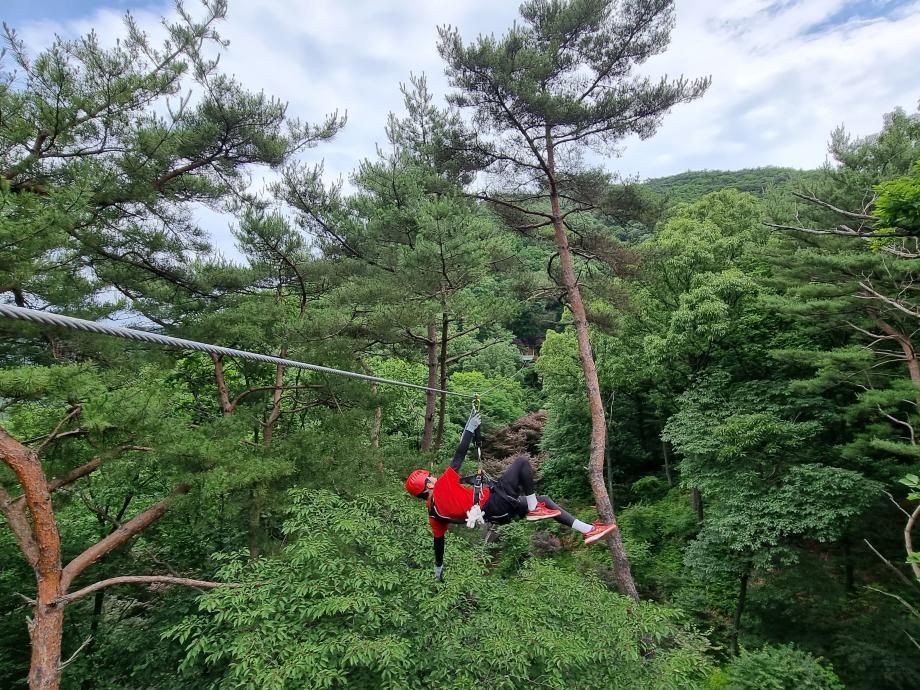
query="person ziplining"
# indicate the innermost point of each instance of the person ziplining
(511, 497)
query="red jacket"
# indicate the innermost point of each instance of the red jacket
(451, 500)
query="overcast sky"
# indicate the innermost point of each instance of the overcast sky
(785, 72)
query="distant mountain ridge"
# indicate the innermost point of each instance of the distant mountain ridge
(691, 185)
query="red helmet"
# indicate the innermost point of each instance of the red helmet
(415, 484)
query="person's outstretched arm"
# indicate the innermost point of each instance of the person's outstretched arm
(472, 424)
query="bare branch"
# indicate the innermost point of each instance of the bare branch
(29, 600)
(141, 580)
(74, 655)
(73, 412)
(910, 427)
(895, 596)
(848, 214)
(512, 206)
(842, 230)
(897, 505)
(916, 644)
(908, 544)
(897, 572)
(874, 294)
(256, 389)
(457, 358)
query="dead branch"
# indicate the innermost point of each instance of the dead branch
(873, 294)
(897, 505)
(842, 230)
(895, 596)
(73, 412)
(908, 543)
(256, 389)
(74, 655)
(910, 427)
(848, 214)
(891, 565)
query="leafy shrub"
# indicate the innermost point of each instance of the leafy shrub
(351, 602)
(776, 668)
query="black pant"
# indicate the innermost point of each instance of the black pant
(507, 500)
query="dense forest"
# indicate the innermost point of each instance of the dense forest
(689, 186)
(724, 367)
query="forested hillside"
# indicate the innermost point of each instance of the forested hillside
(693, 184)
(731, 381)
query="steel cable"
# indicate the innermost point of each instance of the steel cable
(22, 314)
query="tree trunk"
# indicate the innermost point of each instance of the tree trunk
(432, 346)
(625, 582)
(907, 347)
(739, 610)
(607, 449)
(275, 412)
(378, 420)
(223, 395)
(442, 363)
(666, 454)
(696, 502)
(255, 523)
(40, 543)
(41, 546)
(378, 410)
(98, 606)
(848, 567)
(45, 632)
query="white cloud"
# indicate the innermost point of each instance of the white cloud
(778, 89)
(784, 74)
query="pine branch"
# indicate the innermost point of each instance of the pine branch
(118, 537)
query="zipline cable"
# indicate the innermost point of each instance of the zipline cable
(22, 314)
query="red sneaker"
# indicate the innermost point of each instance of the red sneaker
(541, 512)
(599, 531)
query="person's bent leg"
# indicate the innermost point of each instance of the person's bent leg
(518, 480)
(592, 533)
(564, 516)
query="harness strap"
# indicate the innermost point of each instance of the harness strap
(477, 487)
(433, 512)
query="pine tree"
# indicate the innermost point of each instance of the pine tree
(101, 160)
(104, 151)
(550, 89)
(434, 266)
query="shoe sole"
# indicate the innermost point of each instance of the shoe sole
(535, 518)
(598, 537)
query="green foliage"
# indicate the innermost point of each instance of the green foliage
(567, 433)
(340, 609)
(898, 203)
(102, 154)
(689, 186)
(771, 377)
(776, 668)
